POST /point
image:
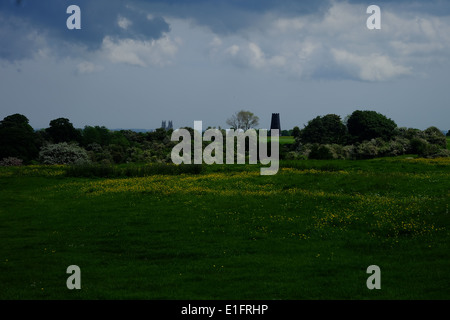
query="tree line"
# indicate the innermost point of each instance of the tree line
(362, 135)
(62, 143)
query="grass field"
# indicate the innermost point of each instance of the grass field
(284, 139)
(308, 232)
(287, 140)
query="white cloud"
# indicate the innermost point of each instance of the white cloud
(141, 53)
(338, 40)
(215, 42)
(88, 67)
(232, 50)
(413, 35)
(255, 56)
(341, 19)
(304, 46)
(374, 67)
(251, 55)
(283, 25)
(123, 22)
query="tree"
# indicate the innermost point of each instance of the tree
(243, 120)
(17, 138)
(328, 129)
(367, 125)
(296, 132)
(62, 130)
(97, 134)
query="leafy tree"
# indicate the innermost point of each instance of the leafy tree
(367, 125)
(117, 137)
(296, 132)
(328, 129)
(159, 134)
(118, 153)
(133, 137)
(243, 120)
(17, 138)
(100, 135)
(62, 130)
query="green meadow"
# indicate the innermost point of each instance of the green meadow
(284, 140)
(226, 232)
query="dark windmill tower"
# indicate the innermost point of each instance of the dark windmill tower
(275, 123)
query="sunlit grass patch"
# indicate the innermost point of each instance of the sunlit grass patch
(380, 216)
(429, 161)
(33, 171)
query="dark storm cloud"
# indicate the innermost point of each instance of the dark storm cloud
(432, 7)
(27, 24)
(231, 16)
(30, 25)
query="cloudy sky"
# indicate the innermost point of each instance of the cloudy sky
(135, 63)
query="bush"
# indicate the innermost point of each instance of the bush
(419, 146)
(348, 151)
(98, 154)
(442, 153)
(367, 150)
(293, 155)
(409, 133)
(63, 153)
(398, 147)
(117, 153)
(338, 151)
(434, 136)
(11, 161)
(427, 143)
(320, 152)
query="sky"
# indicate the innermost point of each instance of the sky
(136, 63)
